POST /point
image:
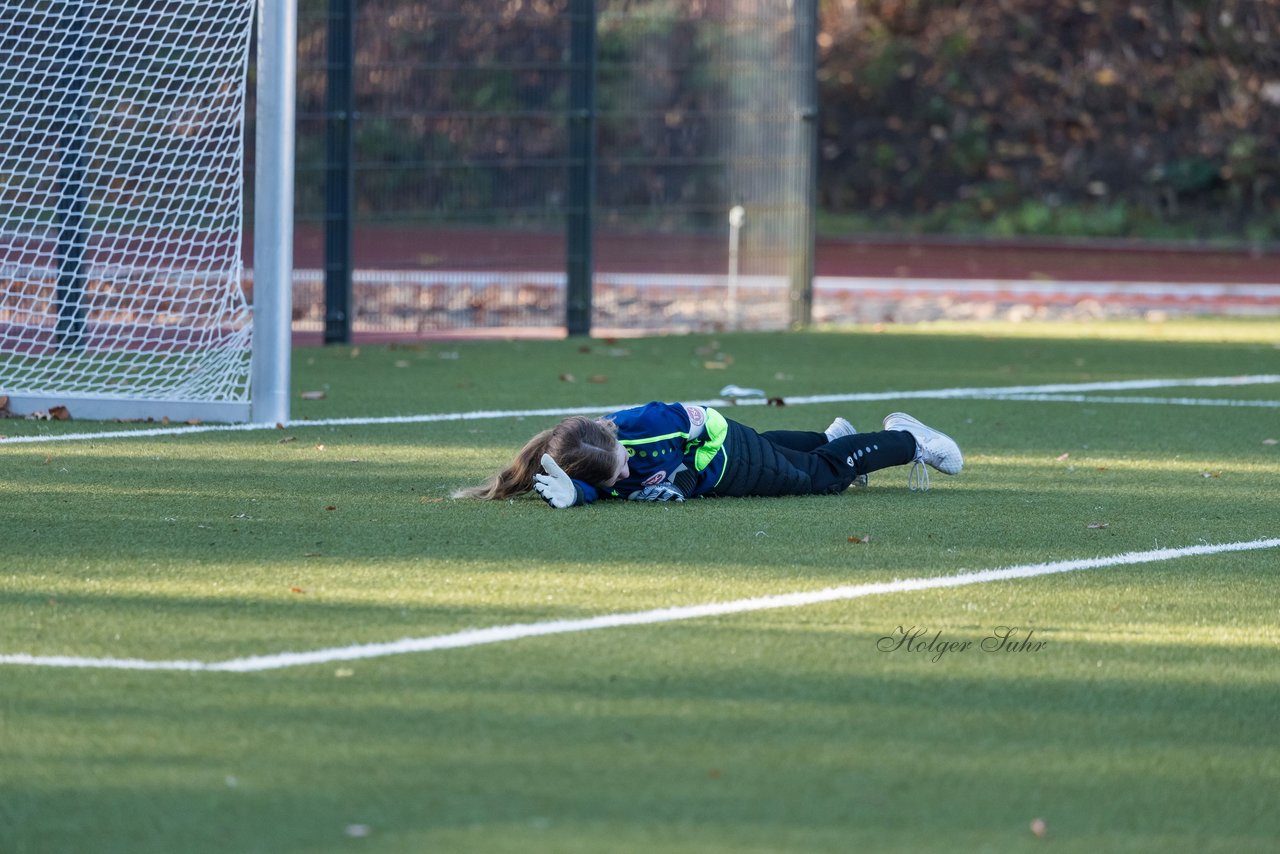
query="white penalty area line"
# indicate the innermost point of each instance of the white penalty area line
(1046, 392)
(519, 631)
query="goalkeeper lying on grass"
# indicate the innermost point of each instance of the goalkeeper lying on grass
(673, 451)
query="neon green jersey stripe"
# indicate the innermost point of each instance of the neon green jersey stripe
(649, 439)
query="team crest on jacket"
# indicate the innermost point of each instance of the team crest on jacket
(655, 479)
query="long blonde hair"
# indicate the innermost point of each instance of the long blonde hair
(586, 448)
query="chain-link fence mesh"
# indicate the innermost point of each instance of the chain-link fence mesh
(1018, 120)
(462, 157)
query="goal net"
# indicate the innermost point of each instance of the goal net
(121, 176)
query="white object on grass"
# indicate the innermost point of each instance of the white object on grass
(732, 391)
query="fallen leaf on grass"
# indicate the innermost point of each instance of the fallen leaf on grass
(331, 507)
(1211, 474)
(427, 499)
(1064, 457)
(296, 590)
(319, 447)
(402, 363)
(854, 538)
(598, 379)
(312, 395)
(715, 366)
(568, 378)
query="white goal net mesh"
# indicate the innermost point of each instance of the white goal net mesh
(121, 174)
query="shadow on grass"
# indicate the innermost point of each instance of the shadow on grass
(611, 749)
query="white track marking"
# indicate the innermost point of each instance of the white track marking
(518, 631)
(980, 393)
(1153, 401)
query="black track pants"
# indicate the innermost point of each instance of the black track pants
(791, 462)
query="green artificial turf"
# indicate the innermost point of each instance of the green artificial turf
(1144, 723)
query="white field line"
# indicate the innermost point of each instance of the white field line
(979, 393)
(518, 631)
(1169, 401)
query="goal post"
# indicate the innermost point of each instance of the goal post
(273, 211)
(122, 126)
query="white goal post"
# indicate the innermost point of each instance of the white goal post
(122, 126)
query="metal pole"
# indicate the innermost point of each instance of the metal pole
(806, 64)
(582, 167)
(73, 190)
(339, 172)
(273, 210)
(737, 216)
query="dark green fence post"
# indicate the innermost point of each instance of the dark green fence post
(73, 190)
(806, 77)
(582, 167)
(339, 171)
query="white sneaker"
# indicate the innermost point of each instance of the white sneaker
(841, 427)
(933, 448)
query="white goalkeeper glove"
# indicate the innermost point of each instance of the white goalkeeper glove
(658, 492)
(555, 487)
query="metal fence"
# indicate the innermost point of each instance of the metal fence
(471, 192)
